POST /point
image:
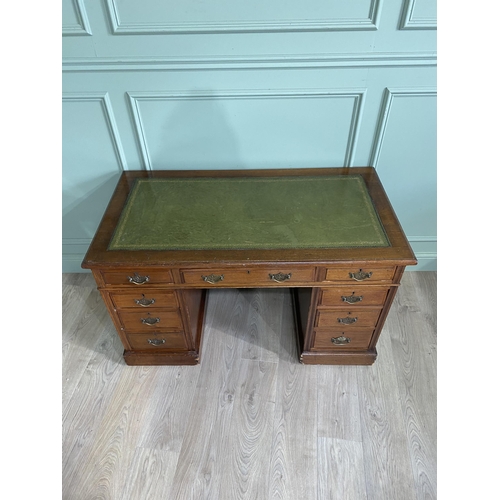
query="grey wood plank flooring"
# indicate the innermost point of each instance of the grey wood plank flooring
(249, 422)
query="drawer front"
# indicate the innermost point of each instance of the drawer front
(354, 296)
(159, 341)
(347, 319)
(148, 299)
(150, 321)
(248, 277)
(342, 340)
(357, 274)
(137, 277)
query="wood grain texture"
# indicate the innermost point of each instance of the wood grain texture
(415, 361)
(341, 470)
(77, 319)
(294, 452)
(387, 461)
(249, 422)
(338, 403)
(150, 474)
(251, 431)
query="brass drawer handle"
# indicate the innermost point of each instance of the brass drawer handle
(280, 277)
(150, 321)
(156, 342)
(347, 321)
(213, 278)
(144, 302)
(341, 340)
(360, 275)
(136, 279)
(352, 299)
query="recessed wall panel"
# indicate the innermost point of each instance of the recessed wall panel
(424, 9)
(91, 164)
(419, 14)
(74, 18)
(247, 130)
(230, 15)
(406, 159)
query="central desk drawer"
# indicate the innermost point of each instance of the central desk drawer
(248, 277)
(345, 319)
(144, 299)
(150, 321)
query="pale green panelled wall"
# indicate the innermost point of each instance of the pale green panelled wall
(224, 84)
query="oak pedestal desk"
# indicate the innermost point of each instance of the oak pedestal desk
(328, 235)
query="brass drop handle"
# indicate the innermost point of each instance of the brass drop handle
(156, 342)
(349, 320)
(341, 340)
(150, 321)
(360, 275)
(213, 278)
(144, 302)
(280, 277)
(352, 299)
(136, 279)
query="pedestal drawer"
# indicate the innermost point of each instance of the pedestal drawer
(347, 319)
(354, 296)
(342, 340)
(138, 277)
(358, 274)
(144, 299)
(158, 341)
(150, 321)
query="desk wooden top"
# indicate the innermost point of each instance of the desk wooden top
(171, 218)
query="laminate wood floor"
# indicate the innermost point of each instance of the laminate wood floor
(250, 422)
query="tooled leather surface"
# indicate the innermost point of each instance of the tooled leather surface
(249, 213)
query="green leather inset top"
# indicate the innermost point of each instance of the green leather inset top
(241, 213)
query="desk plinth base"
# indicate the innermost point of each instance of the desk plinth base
(140, 358)
(339, 358)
